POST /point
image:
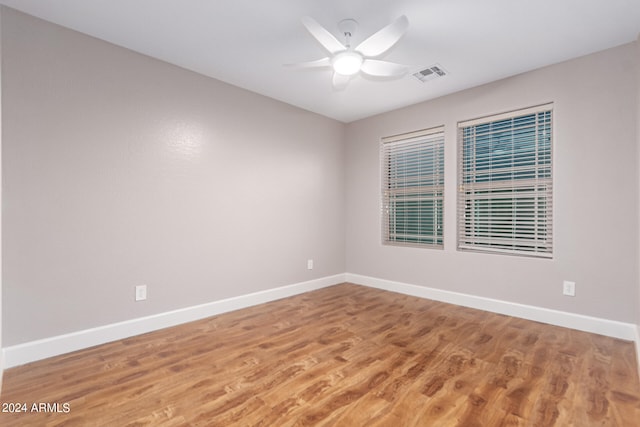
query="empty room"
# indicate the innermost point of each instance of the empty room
(336, 213)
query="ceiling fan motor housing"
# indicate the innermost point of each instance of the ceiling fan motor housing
(348, 27)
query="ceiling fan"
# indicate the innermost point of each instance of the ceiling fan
(347, 61)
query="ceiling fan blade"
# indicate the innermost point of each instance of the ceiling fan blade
(382, 41)
(324, 62)
(339, 81)
(377, 68)
(324, 37)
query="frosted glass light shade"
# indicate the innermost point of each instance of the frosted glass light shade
(347, 63)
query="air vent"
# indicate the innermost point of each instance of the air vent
(430, 73)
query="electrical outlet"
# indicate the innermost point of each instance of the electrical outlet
(309, 264)
(569, 288)
(141, 292)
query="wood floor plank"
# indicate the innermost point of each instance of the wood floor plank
(340, 356)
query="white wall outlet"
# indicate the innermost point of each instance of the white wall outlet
(569, 288)
(141, 292)
(309, 264)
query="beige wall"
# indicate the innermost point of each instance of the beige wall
(123, 170)
(638, 175)
(595, 199)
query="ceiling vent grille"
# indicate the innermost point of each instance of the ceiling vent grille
(430, 73)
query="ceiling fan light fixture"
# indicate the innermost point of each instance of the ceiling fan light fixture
(347, 63)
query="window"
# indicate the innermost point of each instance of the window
(412, 188)
(505, 183)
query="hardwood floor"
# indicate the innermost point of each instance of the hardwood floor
(345, 356)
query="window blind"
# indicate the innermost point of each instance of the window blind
(505, 183)
(412, 188)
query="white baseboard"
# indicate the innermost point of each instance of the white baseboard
(53, 346)
(612, 328)
(41, 349)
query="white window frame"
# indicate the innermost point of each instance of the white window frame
(412, 169)
(505, 198)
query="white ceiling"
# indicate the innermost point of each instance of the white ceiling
(246, 42)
